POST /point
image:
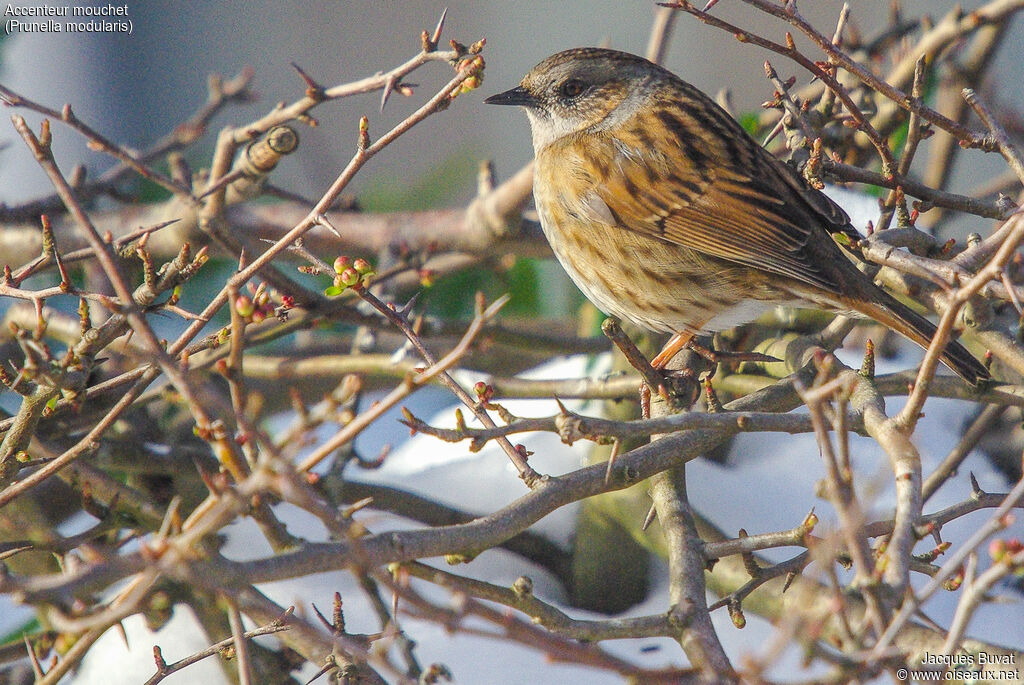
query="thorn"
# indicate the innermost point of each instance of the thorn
(440, 26)
(809, 522)
(651, 515)
(976, 490)
(327, 624)
(776, 130)
(330, 665)
(406, 308)
(37, 668)
(325, 222)
(313, 89)
(351, 510)
(561, 408)
(389, 87)
(616, 446)
(65, 278)
(124, 635)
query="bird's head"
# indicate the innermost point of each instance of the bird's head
(581, 89)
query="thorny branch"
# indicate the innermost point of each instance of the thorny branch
(165, 669)
(90, 388)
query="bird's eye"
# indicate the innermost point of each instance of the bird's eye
(572, 88)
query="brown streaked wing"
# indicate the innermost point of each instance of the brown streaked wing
(823, 206)
(772, 222)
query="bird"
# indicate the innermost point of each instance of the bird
(666, 213)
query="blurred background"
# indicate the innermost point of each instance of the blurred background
(137, 87)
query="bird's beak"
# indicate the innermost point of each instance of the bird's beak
(517, 96)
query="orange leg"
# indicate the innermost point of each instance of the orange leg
(673, 347)
(680, 341)
(677, 344)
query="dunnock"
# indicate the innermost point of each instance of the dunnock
(666, 213)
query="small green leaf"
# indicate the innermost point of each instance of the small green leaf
(751, 123)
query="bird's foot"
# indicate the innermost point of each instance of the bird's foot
(719, 356)
(678, 387)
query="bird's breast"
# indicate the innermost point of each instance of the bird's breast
(654, 284)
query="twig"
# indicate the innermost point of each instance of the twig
(789, 50)
(611, 328)
(930, 196)
(572, 427)
(910, 413)
(792, 566)
(112, 270)
(910, 605)
(240, 642)
(520, 597)
(1003, 143)
(12, 99)
(661, 32)
(895, 199)
(411, 383)
(980, 427)
(553, 644)
(967, 137)
(220, 93)
(363, 154)
(164, 669)
(843, 497)
(686, 578)
(515, 455)
(974, 593)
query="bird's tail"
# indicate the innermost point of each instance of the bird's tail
(887, 310)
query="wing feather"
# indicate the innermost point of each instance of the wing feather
(773, 221)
